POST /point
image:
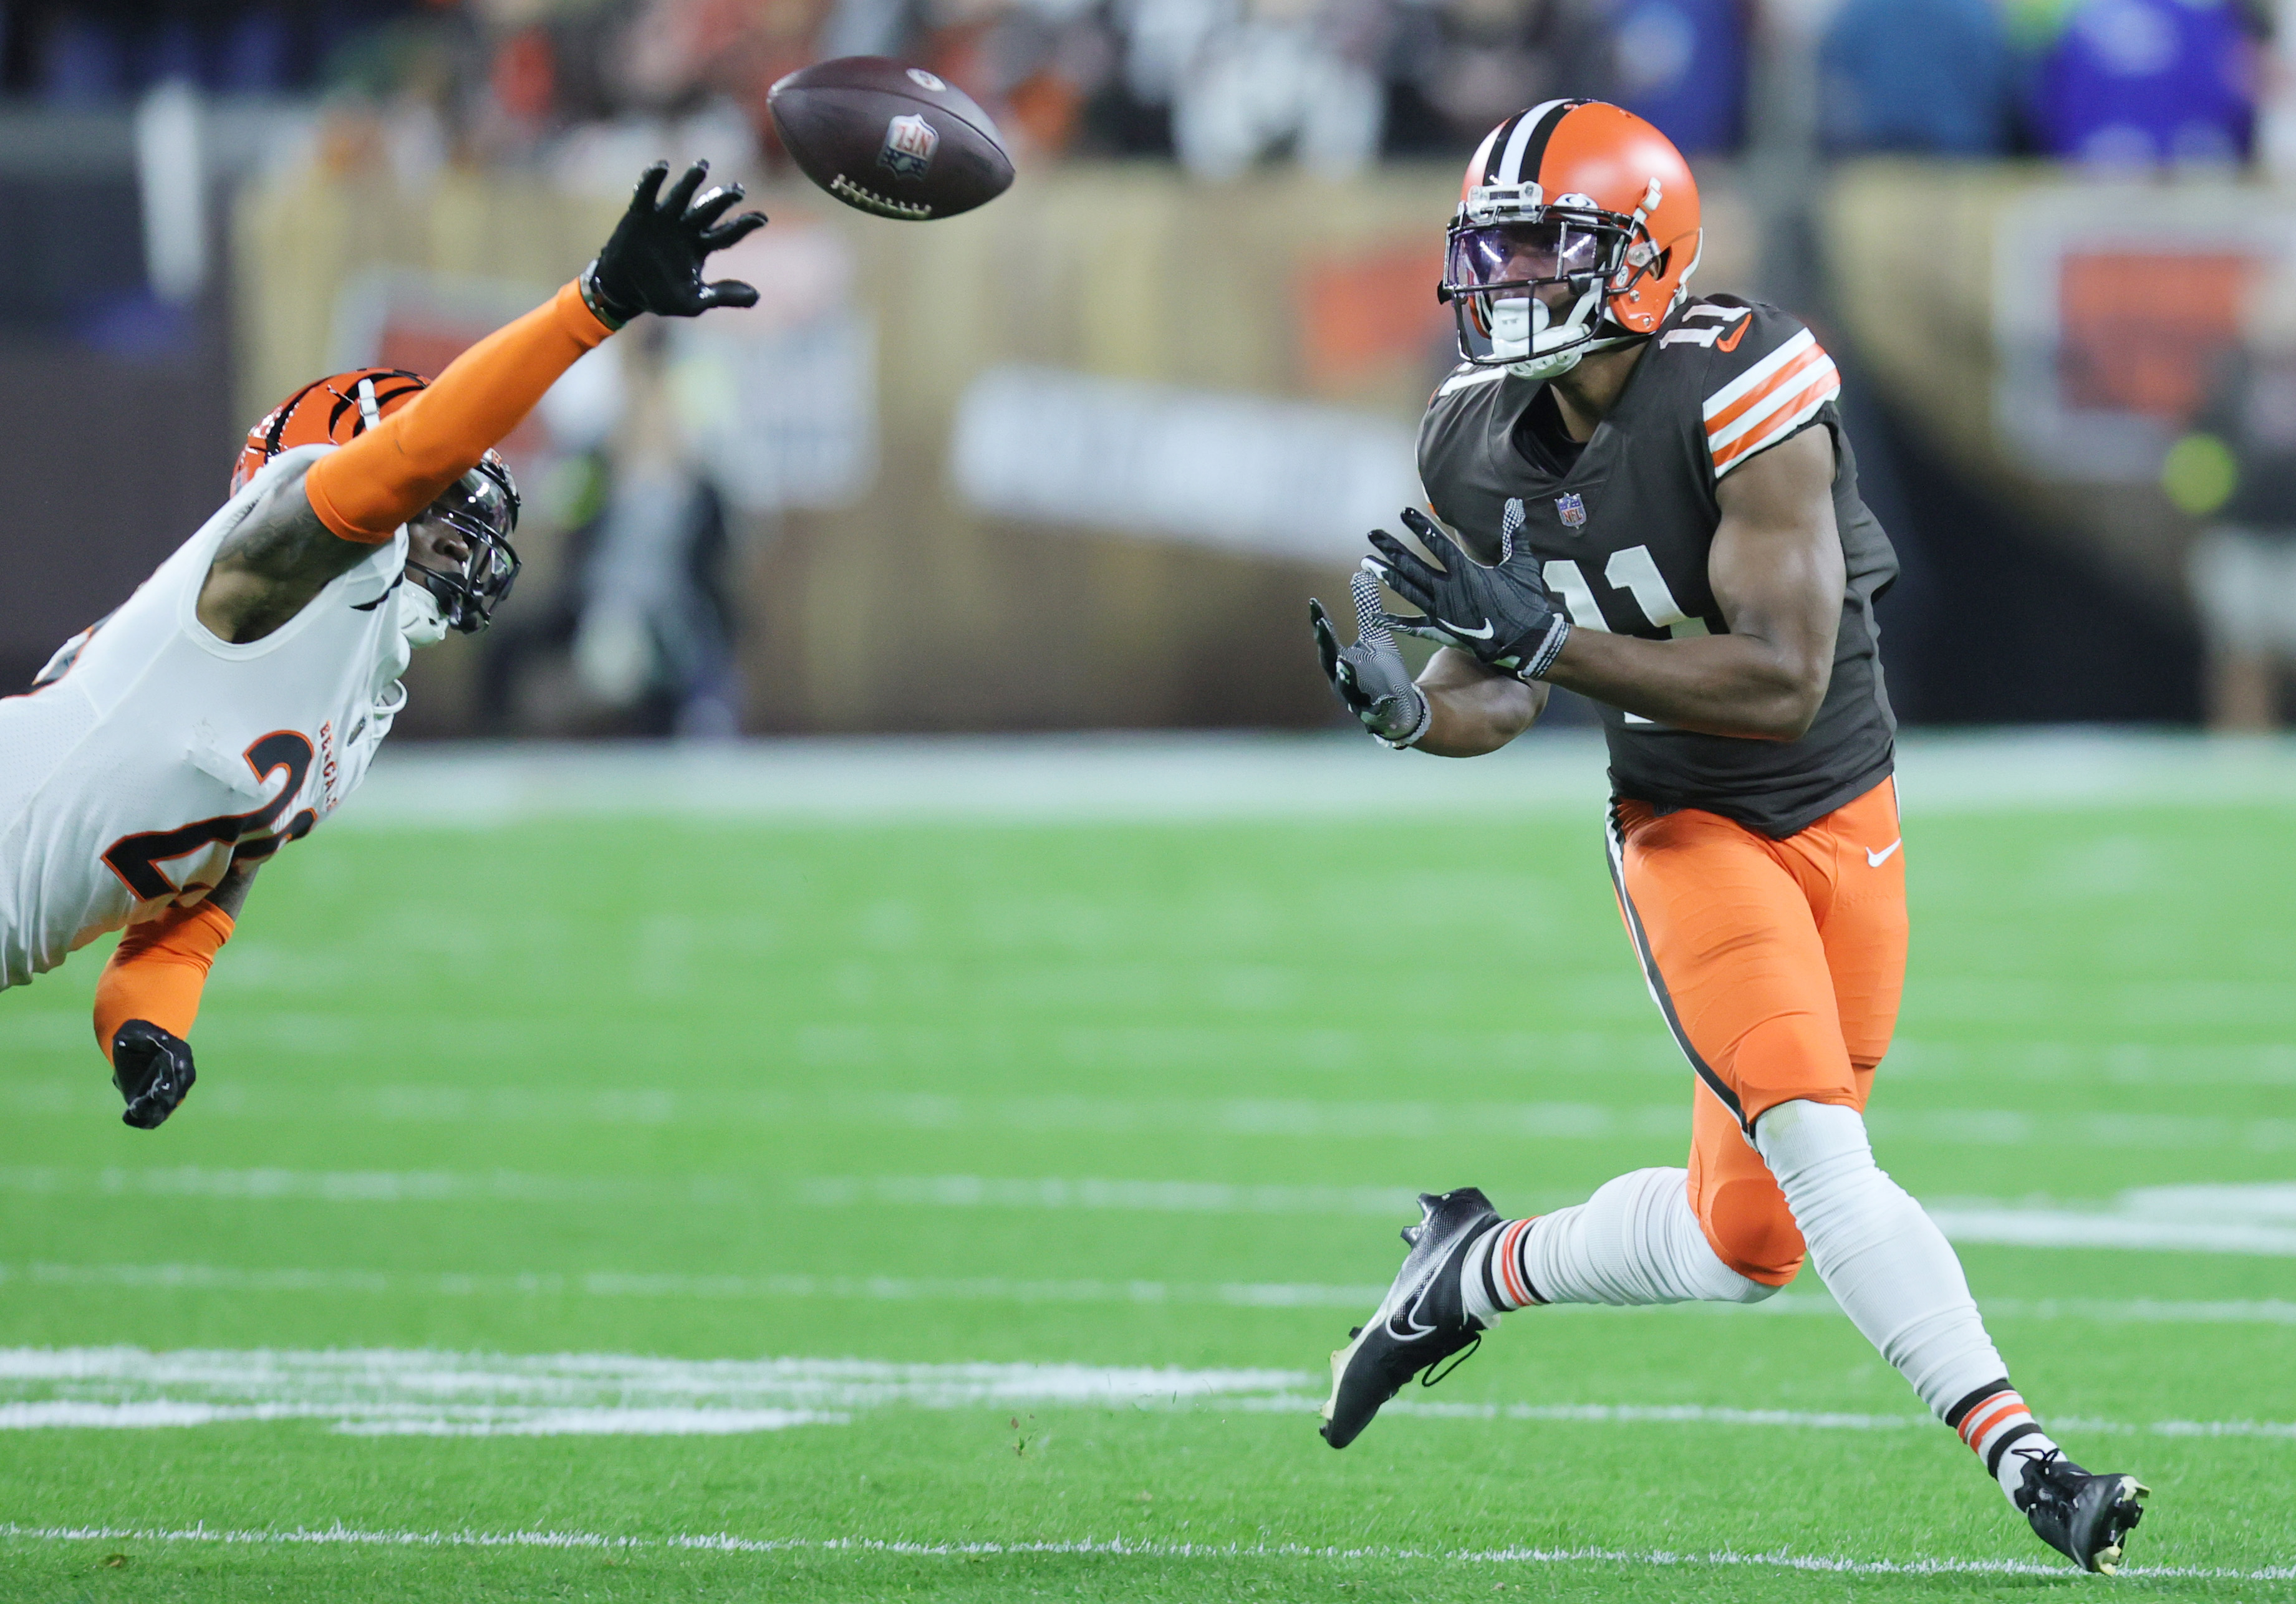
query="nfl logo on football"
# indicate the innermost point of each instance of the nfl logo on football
(1572, 509)
(910, 142)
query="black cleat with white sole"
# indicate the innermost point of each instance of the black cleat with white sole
(2080, 1513)
(1421, 1320)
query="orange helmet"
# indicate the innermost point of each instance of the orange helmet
(1577, 194)
(482, 506)
(335, 410)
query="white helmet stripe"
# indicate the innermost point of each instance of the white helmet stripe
(1479, 166)
(1511, 164)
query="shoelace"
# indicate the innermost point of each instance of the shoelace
(2039, 1459)
(1434, 1373)
(2037, 1480)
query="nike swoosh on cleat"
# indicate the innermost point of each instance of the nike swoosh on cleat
(1875, 860)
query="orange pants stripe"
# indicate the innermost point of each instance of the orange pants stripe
(1778, 966)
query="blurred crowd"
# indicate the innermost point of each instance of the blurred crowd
(1219, 85)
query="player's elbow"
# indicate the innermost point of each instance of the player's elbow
(1792, 707)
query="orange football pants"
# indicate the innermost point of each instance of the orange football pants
(1778, 966)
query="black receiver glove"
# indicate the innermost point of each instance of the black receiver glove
(153, 1069)
(1371, 677)
(654, 261)
(1507, 615)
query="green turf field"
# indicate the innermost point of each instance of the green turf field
(1094, 1138)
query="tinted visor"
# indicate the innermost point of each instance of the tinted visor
(482, 508)
(1529, 253)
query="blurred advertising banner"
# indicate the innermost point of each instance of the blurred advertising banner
(2055, 334)
(1276, 478)
(2114, 306)
(780, 397)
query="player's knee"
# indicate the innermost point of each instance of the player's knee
(1801, 1140)
(1750, 1230)
(1790, 1055)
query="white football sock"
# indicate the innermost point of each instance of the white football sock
(1637, 1240)
(1892, 1271)
(2002, 1432)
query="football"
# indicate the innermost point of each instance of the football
(891, 139)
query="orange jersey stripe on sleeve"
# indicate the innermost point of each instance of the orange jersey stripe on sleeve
(1744, 393)
(1769, 401)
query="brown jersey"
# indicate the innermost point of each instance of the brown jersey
(1622, 527)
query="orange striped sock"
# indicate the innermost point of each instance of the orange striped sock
(1991, 1421)
(1492, 1279)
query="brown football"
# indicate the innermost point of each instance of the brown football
(889, 138)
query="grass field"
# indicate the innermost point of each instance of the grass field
(654, 1209)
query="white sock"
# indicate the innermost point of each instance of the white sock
(1637, 1240)
(1484, 1296)
(2002, 1432)
(1892, 1271)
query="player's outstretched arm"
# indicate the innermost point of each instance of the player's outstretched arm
(303, 534)
(1777, 573)
(149, 996)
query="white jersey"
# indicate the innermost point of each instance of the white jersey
(129, 783)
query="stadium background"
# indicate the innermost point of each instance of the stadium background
(870, 901)
(1222, 205)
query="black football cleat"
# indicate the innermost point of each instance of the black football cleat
(2080, 1513)
(1421, 1320)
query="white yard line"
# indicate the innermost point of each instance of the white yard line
(877, 1288)
(1276, 1118)
(725, 1542)
(899, 1289)
(2065, 1227)
(823, 1191)
(2254, 1219)
(1183, 777)
(376, 1391)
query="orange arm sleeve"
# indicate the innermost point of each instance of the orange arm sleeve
(158, 972)
(364, 491)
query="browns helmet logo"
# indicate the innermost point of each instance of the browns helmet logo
(335, 410)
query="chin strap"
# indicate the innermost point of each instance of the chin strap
(419, 618)
(1552, 365)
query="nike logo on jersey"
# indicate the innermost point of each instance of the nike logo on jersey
(1736, 334)
(1875, 860)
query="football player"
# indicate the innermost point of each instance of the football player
(1647, 497)
(239, 695)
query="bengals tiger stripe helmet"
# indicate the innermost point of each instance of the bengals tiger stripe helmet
(1576, 194)
(482, 506)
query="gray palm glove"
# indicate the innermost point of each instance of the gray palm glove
(1371, 677)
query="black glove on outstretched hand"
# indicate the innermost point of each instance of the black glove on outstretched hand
(152, 1068)
(654, 261)
(1371, 677)
(1506, 616)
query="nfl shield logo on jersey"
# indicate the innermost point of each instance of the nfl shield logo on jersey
(1572, 509)
(910, 143)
